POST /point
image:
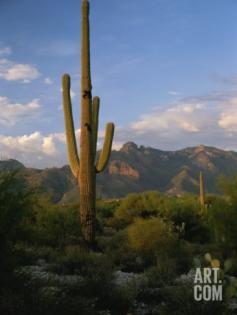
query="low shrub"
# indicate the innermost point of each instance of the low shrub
(16, 205)
(185, 211)
(150, 237)
(142, 205)
(222, 222)
(56, 225)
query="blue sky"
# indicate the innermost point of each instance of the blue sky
(166, 72)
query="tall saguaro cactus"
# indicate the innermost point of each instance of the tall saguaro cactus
(86, 168)
(202, 191)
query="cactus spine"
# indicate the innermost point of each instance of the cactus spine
(202, 191)
(85, 168)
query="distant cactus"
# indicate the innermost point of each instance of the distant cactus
(85, 168)
(202, 191)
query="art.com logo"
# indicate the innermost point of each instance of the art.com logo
(207, 285)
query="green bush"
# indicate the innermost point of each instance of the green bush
(75, 259)
(16, 205)
(185, 211)
(162, 274)
(56, 225)
(142, 205)
(105, 209)
(228, 187)
(222, 221)
(150, 237)
(121, 255)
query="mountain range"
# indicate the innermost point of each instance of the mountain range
(135, 169)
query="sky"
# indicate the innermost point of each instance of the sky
(165, 70)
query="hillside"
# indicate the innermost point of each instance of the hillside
(135, 169)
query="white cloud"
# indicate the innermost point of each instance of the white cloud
(182, 117)
(35, 149)
(38, 150)
(228, 116)
(48, 81)
(117, 145)
(10, 112)
(209, 119)
(186, 126)
(21, 72)
(228, 120)
(48, 145)
(12, 71)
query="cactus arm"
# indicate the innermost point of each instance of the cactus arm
(105, 153)
(95, 119)
(69, 127)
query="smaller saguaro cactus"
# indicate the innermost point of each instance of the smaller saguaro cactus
(202, 191)
(85, 168)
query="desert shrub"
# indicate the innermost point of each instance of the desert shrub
(176, 260)
(222, 215)
(105, 209)
(162, 274)
(142, 205)
(228, 186)
(222, 221)
(16, 204)
(150, 237)
(55, 225)
(121, 255)
(28, 254)
(185, 211)
(78, 260)
(181, 252)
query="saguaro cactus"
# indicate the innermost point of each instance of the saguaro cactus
(85, 168)
(202, 191)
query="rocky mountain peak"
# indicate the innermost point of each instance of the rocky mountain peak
(200, 148)
(129, 147)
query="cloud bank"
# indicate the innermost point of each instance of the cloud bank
(209, 119)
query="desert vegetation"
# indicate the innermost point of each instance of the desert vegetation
(148, 245)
